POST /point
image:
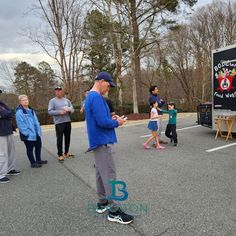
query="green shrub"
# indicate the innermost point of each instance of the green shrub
(46, 119)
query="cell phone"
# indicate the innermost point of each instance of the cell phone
(125, 118)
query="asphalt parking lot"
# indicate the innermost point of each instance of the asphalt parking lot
(185, 190)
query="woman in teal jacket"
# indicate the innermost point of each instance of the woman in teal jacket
(30, 131)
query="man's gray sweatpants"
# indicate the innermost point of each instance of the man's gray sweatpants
(105, 171)
(7, 155)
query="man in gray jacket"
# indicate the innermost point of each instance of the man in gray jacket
(61, 108)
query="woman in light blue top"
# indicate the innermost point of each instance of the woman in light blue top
(30, 131)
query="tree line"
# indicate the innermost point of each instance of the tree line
(139, 42)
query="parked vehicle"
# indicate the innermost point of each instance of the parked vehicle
(204, 114)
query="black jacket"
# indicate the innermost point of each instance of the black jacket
(110, 105)
(6, 120)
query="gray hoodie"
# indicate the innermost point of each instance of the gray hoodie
(56, 105)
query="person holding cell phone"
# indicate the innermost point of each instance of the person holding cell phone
(102, 137)
(61, 109)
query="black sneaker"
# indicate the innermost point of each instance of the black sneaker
(120, 217)
(102, 207)
(42, 162)
(171, 140)
(175, 144)
(13, 172)
(4, 180)
(36, 165)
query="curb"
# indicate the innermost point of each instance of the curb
(81, 124)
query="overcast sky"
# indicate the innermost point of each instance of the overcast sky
(15, 15)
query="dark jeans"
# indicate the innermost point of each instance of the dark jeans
(171, 132)
(63, 129)
(36, 146)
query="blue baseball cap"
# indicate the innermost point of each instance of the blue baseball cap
(105, 76)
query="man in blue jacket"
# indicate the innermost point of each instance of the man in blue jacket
(7, 147)
(102, 137)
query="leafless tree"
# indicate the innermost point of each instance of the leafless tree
(143, 18)
(182, 62)
(62, 39)
(7, 73)
(209, 30)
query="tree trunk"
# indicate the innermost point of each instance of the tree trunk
(135, 99)
(118, 59)
(117, 51)
(60, 42)
(135, 59)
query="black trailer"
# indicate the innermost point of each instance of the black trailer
(223, 88)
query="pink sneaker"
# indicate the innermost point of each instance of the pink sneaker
(160, 148)
(145, 146)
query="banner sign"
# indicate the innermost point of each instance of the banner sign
(224, 79)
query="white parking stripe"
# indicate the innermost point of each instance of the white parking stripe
(190, 127)
(222, 147)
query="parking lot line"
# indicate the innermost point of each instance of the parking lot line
(190, 127)
(221, 147)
